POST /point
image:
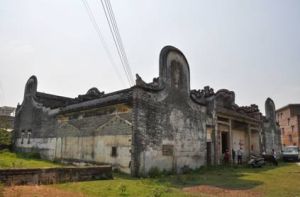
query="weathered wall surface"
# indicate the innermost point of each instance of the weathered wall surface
(240, 141)
(98, 135)
(53, 175)
(271, 135)
(169, 130)
(255, 142)
(85, 139)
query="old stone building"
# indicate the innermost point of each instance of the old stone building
(160, 124)
(288, 118)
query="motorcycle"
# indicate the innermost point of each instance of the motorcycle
(256, 162)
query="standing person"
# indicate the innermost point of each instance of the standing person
(226, 156)
(240, 155)
(233, 156)
(274, 159)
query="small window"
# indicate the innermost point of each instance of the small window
(114, 151)
(288, 121)
(282, 130)
(28, 136)
(292, 128)
(290, 138)
(167, 150)
(22, 136)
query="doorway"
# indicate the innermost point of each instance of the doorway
(225, 141)
(208, 156)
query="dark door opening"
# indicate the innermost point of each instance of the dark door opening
(208, 146)
(225, 141)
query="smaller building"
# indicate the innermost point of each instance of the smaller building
(7, 118)
(7, 111)
(288, 119)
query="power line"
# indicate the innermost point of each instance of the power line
(118, 36)
(98, 31)
(115, 39)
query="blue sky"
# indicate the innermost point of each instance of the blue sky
(251, 47)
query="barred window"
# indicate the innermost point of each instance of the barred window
(167, 150)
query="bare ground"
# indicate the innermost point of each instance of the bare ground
(220, 192)
(38, 191)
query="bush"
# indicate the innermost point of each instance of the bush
(186, 169)
(30, 155)
(157, 192)
(154, 172)
(5, 137)
(123, 190)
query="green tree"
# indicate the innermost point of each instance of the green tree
(5, 137)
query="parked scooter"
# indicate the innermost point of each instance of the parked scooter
(256, 162)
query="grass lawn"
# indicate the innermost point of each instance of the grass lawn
(23, 160)
(283, 180)
(267, 181)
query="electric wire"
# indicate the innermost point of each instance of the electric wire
(117, 45)
(119, 37)
(100, 36)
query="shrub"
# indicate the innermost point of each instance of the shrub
(30, 155)
(123, 189)
(157, 192)
(5, 137)
(186, 169)
(154, 172)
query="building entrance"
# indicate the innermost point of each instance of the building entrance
(225, 141)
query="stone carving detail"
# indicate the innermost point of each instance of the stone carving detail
(154, 85)
(200, 95)
(91, 94)
(226, 99)
(248, 109)
(205, 92)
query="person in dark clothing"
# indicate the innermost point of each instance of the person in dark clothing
(226, 156)
(233, 156)
(240, 155)
(274, 160)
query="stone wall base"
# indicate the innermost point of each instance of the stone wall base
(53, 175)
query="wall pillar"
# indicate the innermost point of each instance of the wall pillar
(249, 140)
(216, 146)
(230, 141)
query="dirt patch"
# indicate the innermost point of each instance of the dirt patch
(220, 192)
(37, 191)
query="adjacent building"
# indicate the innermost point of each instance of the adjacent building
(161, 124)
(7, 118)
(7, 111)
(288, 118)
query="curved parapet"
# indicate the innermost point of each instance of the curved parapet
(29, 92)
(270, 110)
(174, 71)
(31, 87)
